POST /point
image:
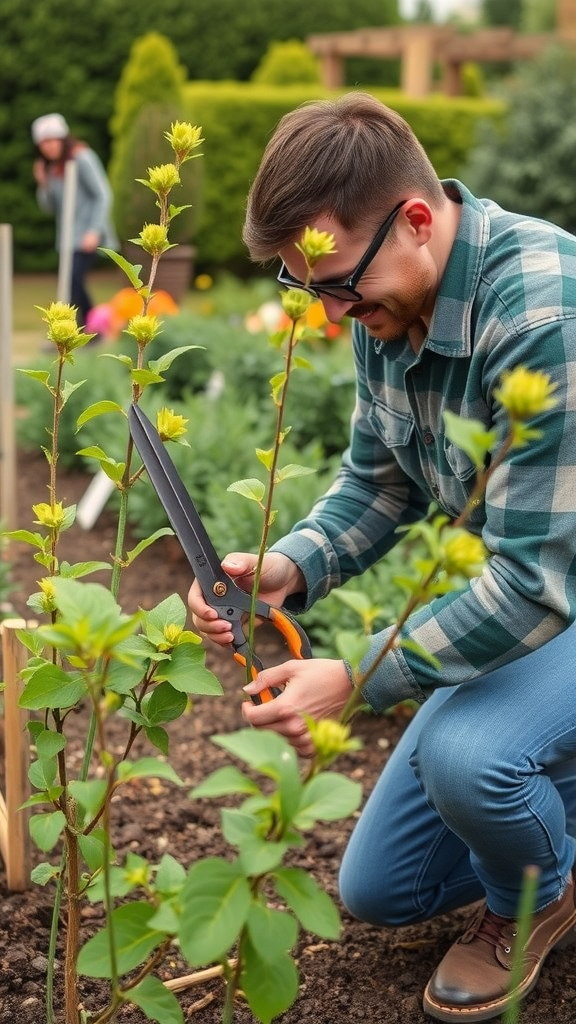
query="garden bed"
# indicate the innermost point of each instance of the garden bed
(373, 975)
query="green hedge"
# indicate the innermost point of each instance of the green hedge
(237, 120)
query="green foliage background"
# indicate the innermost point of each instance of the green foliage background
(68, 55)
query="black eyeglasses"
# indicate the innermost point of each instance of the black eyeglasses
(345, 290)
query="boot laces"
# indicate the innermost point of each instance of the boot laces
(493, 929)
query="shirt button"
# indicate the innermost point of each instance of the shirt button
(428, 437)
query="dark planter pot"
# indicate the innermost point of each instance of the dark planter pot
(174, 272)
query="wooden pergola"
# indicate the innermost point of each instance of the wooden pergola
(421, 47)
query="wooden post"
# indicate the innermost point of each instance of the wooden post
(14, 834)
(8, 510)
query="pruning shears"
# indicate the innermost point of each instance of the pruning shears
(219, 590)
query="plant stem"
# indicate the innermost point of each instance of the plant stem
(71, 997)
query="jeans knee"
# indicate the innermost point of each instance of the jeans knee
(384, 901)
(462, 775)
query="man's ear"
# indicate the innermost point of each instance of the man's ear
(419, 217)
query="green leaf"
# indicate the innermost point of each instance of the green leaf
(49, 743)
(97, 409)
(166, 704)
(42, 773)
(184, 673)
(51, 687)
(114, 470)
(352, 646)
(166, 531)
(258, 853)
(223, 782)
(251, 488)
(270, 988)
(293, 470)
(145, 377)
(272, 932)
(93, 850)
(44, 873)
(263, 750)
(156, 1001)
(215, 902)
(165, 361)
(132, 271)
(169, 612)
(26, 536)
(147, 767)
(89, 794)
(416, 648)
(68, 389)
(74, 572)
(158, 738)
(328, 797)
(41, 375)
(265, 457)
(311, 904)
(46, 829)
(135, 940)
(471, 436)
(170, 876)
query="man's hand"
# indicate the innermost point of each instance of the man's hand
(279, 578)
(318, 687)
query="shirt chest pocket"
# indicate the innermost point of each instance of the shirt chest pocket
(392, 427)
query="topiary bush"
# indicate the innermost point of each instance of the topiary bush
(287, 63)
(152, 78)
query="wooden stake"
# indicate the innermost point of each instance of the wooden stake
(14, 834)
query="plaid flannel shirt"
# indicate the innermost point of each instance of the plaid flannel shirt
(507, 298)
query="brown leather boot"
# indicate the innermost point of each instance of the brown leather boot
(472, 982)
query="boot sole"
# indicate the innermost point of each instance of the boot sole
(487, 1011)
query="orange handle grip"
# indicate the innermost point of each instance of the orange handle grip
(265, 695)
(295, 637)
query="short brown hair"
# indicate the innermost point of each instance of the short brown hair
(352, 157)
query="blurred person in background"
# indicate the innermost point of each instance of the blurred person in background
(92, 225)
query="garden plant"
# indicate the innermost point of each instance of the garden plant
(242, 913)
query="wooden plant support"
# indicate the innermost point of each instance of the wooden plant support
(14, 835)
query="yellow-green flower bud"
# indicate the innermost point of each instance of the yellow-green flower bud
(58, 311)
(331, 738)
(144, 327)
(51, 516)
(48, 594)
(110, 703)
(525, 393)
(463, 554)
(315, 244)
(170, 425)
(296, 303)
(138, 876)
(154, 239)
(183, 138)
(163, 178)
(65, 334)
(172, 634)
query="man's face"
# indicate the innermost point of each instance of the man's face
(397, 288)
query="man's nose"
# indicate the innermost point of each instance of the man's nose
(336, 309)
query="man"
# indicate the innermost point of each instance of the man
(446, 291)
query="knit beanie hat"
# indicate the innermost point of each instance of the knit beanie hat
(49, 126)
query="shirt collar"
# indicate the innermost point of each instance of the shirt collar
(450, 332)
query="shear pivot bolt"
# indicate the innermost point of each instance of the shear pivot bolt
(219, 589)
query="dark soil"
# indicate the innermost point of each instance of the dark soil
(372, 975)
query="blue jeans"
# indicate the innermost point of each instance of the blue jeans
(482, 783)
